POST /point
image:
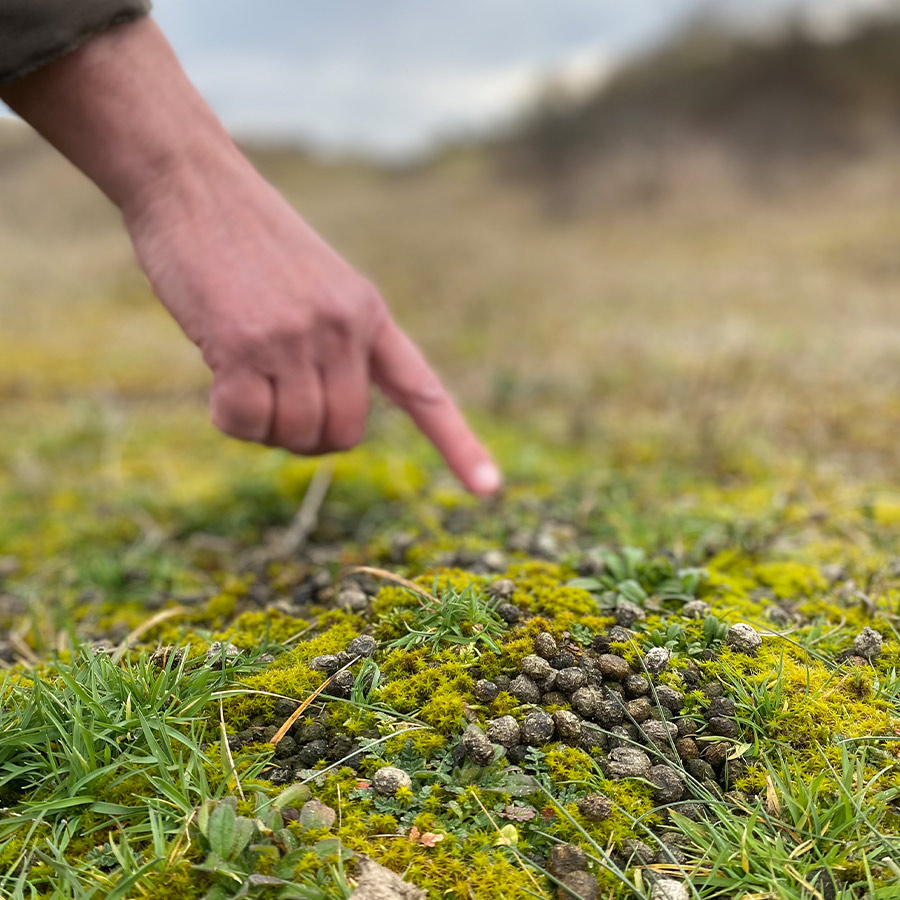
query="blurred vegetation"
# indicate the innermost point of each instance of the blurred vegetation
(702, 363)
(763, 108)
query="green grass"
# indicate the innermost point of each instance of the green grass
(688, 403)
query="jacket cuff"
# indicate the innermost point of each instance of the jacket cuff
(36, 32)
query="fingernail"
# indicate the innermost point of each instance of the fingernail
(486, 478)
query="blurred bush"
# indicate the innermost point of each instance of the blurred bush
(751, 108)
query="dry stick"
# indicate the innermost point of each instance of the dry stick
(144, 627)
(24, 651)
(390, 576)
(300, 710)
(294, 539)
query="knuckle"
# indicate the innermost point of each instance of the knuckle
(236, 415)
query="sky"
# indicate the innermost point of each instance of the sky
(394, 77)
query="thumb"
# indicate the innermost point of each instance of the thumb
(401, 372)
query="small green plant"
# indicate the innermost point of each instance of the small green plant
(462, 618)
(631, 575)
(256, 857)
(677, 638)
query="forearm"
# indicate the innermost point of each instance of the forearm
(122, 110)
(292, 334)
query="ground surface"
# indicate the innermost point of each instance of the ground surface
(693, 402)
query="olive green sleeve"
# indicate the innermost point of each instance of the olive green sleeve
(34, 32)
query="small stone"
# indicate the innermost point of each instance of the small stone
(563, 660)
(363, 646)
(525, 690)
(620, 736)
(742, 638)
(503, 588)
(502, 682)
(221, 652)
(341, 684)
(628, 762)
(312, 731)
(721, 706)
(595, 807)
(610, 712)
(660, 734)
(545, 645)
(580, 885)
(537, 728)
(669, 698)
(535, 667)
(546, 544)
(868, 643)
(375, 882)
(686, 726)
(627, 613)
(518, 754)
(700, 769)
(618, 635)
(723, 727)
(695, 609)
(716, 754)
(668, 787)
(504, 731)
(315, 815)
(568, 725)
(286, 747)
(553, 698)
(485, 691)
(478, 748)
(509, 612)
(570, 679)
(637, 851)
(687, 748)
(713, 690)
(639, 710)
(328, 664)
(636, 686)
(352, 600)
(670, 854)
(613, 667)
(592, 737)
(566, 858)
(389, 779)
(310, 754)
(656, 660)
(669, 888)
(587, 700)
(494, 561)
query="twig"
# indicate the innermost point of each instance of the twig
(391, 576)
(299, 710)
(294, 539)
(143, 628)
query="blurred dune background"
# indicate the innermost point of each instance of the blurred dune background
(697, 258)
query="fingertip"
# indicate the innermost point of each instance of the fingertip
(485, 479)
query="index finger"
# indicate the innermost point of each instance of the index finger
(404, 376)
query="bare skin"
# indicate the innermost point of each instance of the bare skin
(293, 335)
